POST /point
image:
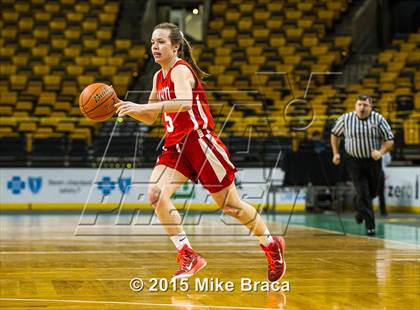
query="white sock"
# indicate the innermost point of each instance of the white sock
(266, 238)
(180, 240)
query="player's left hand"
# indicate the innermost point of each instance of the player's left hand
(127, 107)
(376, 155)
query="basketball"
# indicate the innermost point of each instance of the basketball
(97, 102)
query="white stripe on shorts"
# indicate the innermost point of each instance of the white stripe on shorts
(215, 163)
(219, 149)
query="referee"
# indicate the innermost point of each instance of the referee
(367, 136)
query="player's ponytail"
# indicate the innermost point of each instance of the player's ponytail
(185, 49)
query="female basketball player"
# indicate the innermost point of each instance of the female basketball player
(192, 151)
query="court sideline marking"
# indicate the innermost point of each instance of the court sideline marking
(130, 303)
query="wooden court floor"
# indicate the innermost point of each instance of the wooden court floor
(44, 265)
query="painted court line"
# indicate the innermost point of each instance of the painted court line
(130, 303)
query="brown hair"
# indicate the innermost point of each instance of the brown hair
(185, 50)
(364, 97)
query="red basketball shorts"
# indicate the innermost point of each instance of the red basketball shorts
(201, 157)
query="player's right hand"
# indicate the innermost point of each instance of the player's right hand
(336, 159)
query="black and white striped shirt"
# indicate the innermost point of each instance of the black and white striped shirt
(361, 136)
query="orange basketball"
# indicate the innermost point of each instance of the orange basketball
(97, 102)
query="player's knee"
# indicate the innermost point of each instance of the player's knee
(232, 210)
(153, 194)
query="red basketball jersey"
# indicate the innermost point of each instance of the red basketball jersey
(180, 124)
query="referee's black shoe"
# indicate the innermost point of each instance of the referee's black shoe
(359, 218)
(370, 232)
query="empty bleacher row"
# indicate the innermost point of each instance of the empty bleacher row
(260, 56)
(49, 51)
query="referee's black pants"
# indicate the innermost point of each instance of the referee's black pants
(365, 176)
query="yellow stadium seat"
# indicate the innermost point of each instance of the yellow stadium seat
(74, 70)
(294, 33)
(310, 41)
(52, 7)
(105, 51)
(120, 83)
(219, 8)
(24, 106)
(27, 127)
(42, 111)
(83, 61)
(249, 69)
(305, 23)
(42, 16)
(9, 33)
(6, 111)
(260, 33)
(58, 24)
(246, 42)
(228, 33)
(108, 70)
(122, 44)
(18, 82)
(293, 15)
(52, 82)
(10, 16)
(137, 52)
(225, 80)
(395, 66)
(62, 106)
(223, 51)
(319, 50)
(74, 16)
(326, 16)
(98, 61)
(51, 60)
(84, 80)
(98, 2)
(40, 51)
(22, 7)
(7, 69)
(246, 7)
(215, 69)
(245, 24)
(223, 61)
(414, 37)
(41, 70)
(26, 23)
(90, 25)
(107, 18)
(7, 50)
(254, 51)
(217, 24)
(117, 61)
(261, 16)
(69, 2)
(287, 50)
(104, 34)
(72, 51)
(72, 34)
(82, 7)
(273, 24)
(59, 43)
(112, 7)
(232, 16)
(387, 77)
(257, 60)
(275, 7)
(64, 127)
(47, 99)
(214, 43)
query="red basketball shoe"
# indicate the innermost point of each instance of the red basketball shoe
(275, 258)
(189, 261)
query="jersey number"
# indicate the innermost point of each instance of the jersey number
(169, 123)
